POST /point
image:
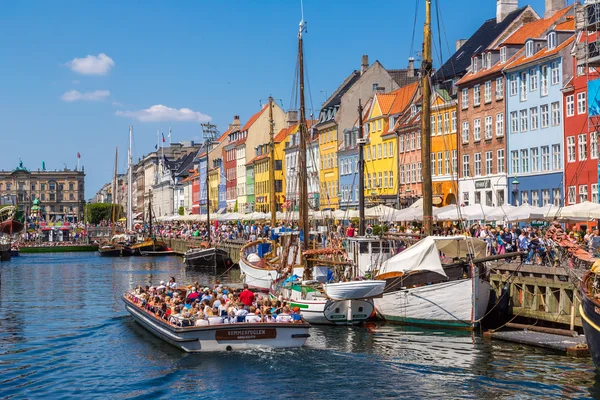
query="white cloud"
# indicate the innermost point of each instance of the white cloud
(76, 95)
(117, 104)
(92, 65)
(163, 113)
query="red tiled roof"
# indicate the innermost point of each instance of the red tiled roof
(224, 135)
(539, 55)
(285, 132)
(191, 177)
(568, 25)
(403, 97)
(535, 29)
(386, 101)
(253, 118)
(258, 158)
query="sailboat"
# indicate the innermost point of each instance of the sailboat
(276, 265)
(150, 245)
(421, 289)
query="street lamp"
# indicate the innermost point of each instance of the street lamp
(515, 189)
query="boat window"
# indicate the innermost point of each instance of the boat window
(364, 247)
(360, 309)
(375, 246)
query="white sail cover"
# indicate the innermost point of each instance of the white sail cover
(425, 255)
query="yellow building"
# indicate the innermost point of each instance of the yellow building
(444, 151)
(213, 188)
(381, 155)
(328, 147)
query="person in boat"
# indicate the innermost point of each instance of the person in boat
(247, 297)
(172, 284)
(162, 286)
(241, 312)
(200, 319)
(284, 316)
(296, 315)
(251, 317)
(194, 294)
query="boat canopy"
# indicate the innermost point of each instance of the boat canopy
(425, 255)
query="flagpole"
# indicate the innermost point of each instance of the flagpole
(169, 136)
(78, 161)
(162, 151)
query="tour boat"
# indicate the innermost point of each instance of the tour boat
(207, 257)
(590, 313)
(422, 291)
(222, 337)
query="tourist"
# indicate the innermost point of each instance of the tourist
(247, 297)
(251, 317)
(193, 295)
(296, 315)
(284, 316)
(172, 284)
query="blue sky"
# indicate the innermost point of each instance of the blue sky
(215, 58)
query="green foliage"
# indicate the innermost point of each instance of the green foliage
(181, 211)
(235, 208)
(97, 212)
(379, 230)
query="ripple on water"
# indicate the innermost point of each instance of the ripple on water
(64, 333)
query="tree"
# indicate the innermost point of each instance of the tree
(235, 207)
(97, 212)
(181, 211)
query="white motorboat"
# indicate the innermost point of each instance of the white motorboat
(354, 290)
(422, 291)
(222, 337)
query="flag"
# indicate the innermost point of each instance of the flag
(156, 146)
(165, 160)
(169, 135)
(78, 155)
(163, 136)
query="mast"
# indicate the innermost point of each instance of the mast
(207, 196)
(303, 187)
(150, 214)
(361, 172)
(115, 188)
(273, 204)
(426, 66)
(130, 180)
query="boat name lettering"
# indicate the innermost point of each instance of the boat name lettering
(245, 334)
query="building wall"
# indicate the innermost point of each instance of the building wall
(328, 147)
(250, 189)
(229, 166)
(409, 164)
(240, 171)
(349, 178)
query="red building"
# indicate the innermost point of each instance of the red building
(580, 138)
(229, 167)
(196, 194)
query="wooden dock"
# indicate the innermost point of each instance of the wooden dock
(572, 345)
(539, 293)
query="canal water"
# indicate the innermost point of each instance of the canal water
(64, 333)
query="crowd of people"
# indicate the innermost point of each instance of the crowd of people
(197, 306)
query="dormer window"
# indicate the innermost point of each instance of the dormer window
(474, 64)
(483, 65)
(502, 55)
(551, 40)
(489, 60)
(529, 48)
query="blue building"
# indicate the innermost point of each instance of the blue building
(202, 159)
(534, 116)
(348, 170)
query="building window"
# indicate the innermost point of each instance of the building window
(556, 157)
(581, 103)
(465, 132)
(446, 123)
(476, 98)
(570, 148)
(453, 121)
(477, 164)
(515, 161)
(570, 106)
(488, 92)
(433, 164)
(571, 195)
(523, 86)
(499, 125)
(551, 40)
(466, 169)
(477, 130)
(545, 197)
(454, 161)
(477, 197)
(391, 179)
(488, 128)
(533, 116)
(555, 73)
(419, 174)
(464, 99)
(545, 116)
(533, 80)
(524, 119)
(529, 48)
(544, 79)
(582, 140)
(513, 85)
(489, 163)
(500, 161)
(545, 158)
(524, 197)
(499, 88)
(414, 173)
(401, 172)
(556, 197)
(525, 161)
(439, 163)
(583, 193)
(385, 179)
(535, 159)
(502, 55)
(514, 122)
(595, 193)
(474, 64)
(594, 145)
(447, 162)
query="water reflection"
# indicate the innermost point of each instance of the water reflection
(63, 322)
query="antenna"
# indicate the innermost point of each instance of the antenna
(302, 27)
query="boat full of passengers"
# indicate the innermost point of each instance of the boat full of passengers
(206, 331)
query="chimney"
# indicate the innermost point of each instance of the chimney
(410, 71)
(552, 6)
(292, 117)
(505, 7)
(236, 122)
(460, 43)
(364, 64)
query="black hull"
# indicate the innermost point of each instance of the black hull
(119, 252)
(208, 258)
(139, 251)
(590, 318)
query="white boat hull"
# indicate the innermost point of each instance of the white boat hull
(224, 337)
(354, 289)
(454, 304)
(257, 277)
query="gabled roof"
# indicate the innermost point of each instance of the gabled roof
(258, 158)
(400, 76)
(568, 25)
(191, 177)
(481, 39)
(404, 95)
(285, 132)
(522, 60)
(496, 68)
(225, 134)
(336, 98)
(534, 29)
(253, 118)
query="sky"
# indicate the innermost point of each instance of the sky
(75, 74)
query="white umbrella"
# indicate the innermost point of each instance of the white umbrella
(468, 213)
(525, 212)
(551, 212)
(587, 210)
(499, 213)
(407, 214)
(379, 211)
(343, 214)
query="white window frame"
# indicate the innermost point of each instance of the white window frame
(514, 156)
(500, 125)
(477, 129)
(555, 72)
(466, 166)
(488, 127)
(465, 98)
(533, 80)
(454, 121)
(556, 118)
(514, 122)
(582, 146)
(556, 197)
(570, 100)
(476, 96)
(544, 80)
(545, 116)
(524, 120)
(523, 81)
(595, 193)
(500, 161)
(545, 197)
(583, 193)
(502, 55)
(534, 152)
(499, 88)
(524, 161)
(556, 157)
(545, 158)
(551, 43)
(533, 118)
(529, 49)
(593, 145)
(489, 162)
(488, 92)
(581, 103)
(465, 132)
(477, 164)
(571, 195)
(514, 85)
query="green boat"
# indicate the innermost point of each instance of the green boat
(59, 249)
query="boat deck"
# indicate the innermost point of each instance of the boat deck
(575, 345)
